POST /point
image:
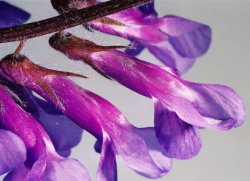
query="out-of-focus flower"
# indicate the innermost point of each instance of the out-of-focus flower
(175, 41)
(11, 15)
(94, 114)
(42, 162)
(180, 106)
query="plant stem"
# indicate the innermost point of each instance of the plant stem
(66, 20)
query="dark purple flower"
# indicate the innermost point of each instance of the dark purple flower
(94, 114)
(180, 106)
(42, 162)
(148, 9)
(11, 15)
(175, 41)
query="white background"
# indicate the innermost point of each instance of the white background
(224, 155)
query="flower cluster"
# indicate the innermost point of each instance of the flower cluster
(43, 113)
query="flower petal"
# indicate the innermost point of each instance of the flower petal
(221, 105)
(64, 170)
(64, 133)
(107, 169)
(11, 15)
(148, 9)
(157, 153)
(179, 139)
(19, 174)
(50, 168)
(165, 52)
(189, 38)
(135, 48)
(47, 107)
(13, 151)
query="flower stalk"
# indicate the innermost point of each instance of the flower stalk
(66, 20)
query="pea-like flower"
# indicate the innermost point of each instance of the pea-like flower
(64, 133)
(11, 15)
(95, 115)
(42, 163)
(175, 41)
(180, 106)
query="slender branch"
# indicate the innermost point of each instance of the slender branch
(66, 20)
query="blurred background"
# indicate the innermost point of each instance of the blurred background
(225, 156)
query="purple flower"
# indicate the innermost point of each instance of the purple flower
(42, 162)
(180, 106)
(95, 115)
(64, 133)
(11, 15)
(175, 41)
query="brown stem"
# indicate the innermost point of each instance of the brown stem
(19, 48)
(66, 20)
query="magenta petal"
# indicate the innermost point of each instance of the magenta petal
(12, 151)
(107, 169)
(189, 38)
(179, 139)
(11, 15)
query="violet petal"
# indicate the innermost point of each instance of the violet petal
(165, 52)
(135, 48)
(64, 133)
(222, 107)
(64, 170)
(179, 139)
(107, 169)
(155, 149)
(50, 168)
(189, 38)
(148, 9)
(19, 174)
(13, 151)
(47, 107)
(11, 15)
